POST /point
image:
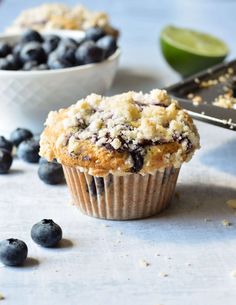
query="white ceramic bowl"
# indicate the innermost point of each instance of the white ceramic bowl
(26, 97)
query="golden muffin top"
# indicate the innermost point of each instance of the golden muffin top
(126, 133)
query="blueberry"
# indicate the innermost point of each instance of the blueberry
(51, 172)
(48, 48)
(42, 67)
(19, 135)
(46, 233)
(33, 51)
(37, 138)
(69, 42)
(88, 53)
(5, 144)
(28, 151)
(10, 62)
(108, 43)
(33, 66)
(14, 61)
(5, 49)
(5, 161)
(5, 64)
(13, 252)
(30, 65)
(17, 48)
(81, 41)
(66, 53)
(50, 43)
(54, 62)
(94, 33)
(44, 161)
(58, 64)
(138, 161)
(31, 35)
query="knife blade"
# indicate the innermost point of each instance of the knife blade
(210, 114)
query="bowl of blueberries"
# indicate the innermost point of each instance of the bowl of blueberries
(40, 72)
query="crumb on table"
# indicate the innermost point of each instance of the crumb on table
(233, 273)
(226, 223)
(163, 274)
(143, 263)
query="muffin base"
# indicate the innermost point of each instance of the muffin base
(121, 197)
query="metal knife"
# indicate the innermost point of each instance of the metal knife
(210, 114)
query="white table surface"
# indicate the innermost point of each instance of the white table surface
(99, 261)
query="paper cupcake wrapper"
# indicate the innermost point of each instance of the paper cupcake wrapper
(121, 197)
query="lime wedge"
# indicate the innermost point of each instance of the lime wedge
(188, 51)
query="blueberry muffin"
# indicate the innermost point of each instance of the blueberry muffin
(121, 155)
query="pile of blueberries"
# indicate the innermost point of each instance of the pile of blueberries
(46, 233)
(37, 52)
(27, 149)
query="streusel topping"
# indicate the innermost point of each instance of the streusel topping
(129, 124)
(59, 16)
(225, 101)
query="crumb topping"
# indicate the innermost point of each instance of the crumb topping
(226, 101)
(59, 16)
(129, 124)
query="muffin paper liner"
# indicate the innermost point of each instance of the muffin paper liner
(121, 197)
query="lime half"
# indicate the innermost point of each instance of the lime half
(188, 51)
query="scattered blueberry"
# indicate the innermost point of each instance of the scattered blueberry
(13, 252)
(28, 151)
(5, 49)
(50, 172)
(88, 53)
(5, 144)
(37, 138)
(5, 161)
(31, 35)
(43, 161)
(33, 51)
(108, 43)
(19, 135)
(46, 233)
(94, 33)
